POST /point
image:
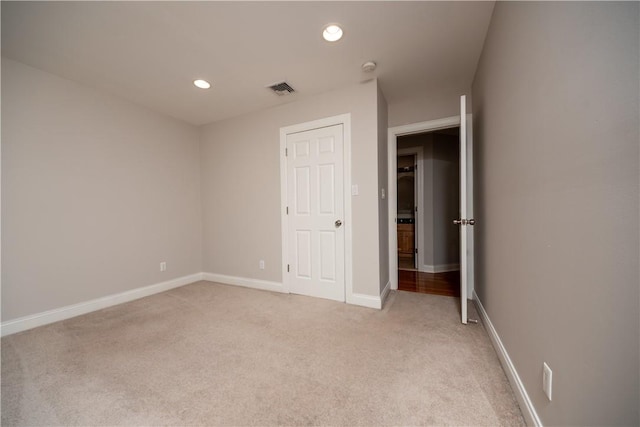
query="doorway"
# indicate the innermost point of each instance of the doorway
(438, 271)
(465, 221)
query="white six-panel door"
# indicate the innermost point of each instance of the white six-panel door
(315, 204)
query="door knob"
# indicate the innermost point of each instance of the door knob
(464, 221)
(338, 223)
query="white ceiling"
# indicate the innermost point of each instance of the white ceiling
(150, 52)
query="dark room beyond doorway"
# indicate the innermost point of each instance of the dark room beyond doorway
(428, 244)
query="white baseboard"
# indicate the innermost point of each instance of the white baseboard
(355, 299)
(32, 321)
(243, 281)
(385, 293)
(365, 300)
(440, 268)
(528, 410)
(51, 316)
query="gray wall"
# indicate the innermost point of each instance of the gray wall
(446, 199)
(96, 192)
(240, 166)
(421, 107)
(555, 104)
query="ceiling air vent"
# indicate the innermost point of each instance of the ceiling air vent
(281, 89)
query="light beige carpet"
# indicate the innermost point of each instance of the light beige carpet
(210, 354)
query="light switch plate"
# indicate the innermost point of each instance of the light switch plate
(354, 190)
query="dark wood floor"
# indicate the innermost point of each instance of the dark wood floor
(406, 263)
(447, 284)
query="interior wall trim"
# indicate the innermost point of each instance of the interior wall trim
(245, 282)
(385, 293)
(20, 324)
(51, 316)
(357, 299)
(366, 301)
(440, 268)
(526, 406)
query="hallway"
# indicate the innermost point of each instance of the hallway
(446, 283)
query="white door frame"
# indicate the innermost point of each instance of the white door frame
(393, 135)
(345, 121)
(419, 190)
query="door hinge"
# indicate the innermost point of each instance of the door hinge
(286, 152)
(287, 210)
(416, 250)
(287, 268)
(416, 209)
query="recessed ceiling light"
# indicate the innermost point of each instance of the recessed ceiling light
(202, 84)
(332, 33)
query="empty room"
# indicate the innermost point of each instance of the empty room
(320, 213)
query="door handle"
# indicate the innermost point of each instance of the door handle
(338, 223)
(464, 221)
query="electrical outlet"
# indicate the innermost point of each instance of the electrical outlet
(261, 264)
(547, 380)
(163, 266)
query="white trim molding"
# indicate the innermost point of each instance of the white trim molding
(356, 299)
(528, 410)
(440, 268)
(366, 301)
(245, 282)
(385, 293)
(51, 316)
(20, 324)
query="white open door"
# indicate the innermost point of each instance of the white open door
(466, 210)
